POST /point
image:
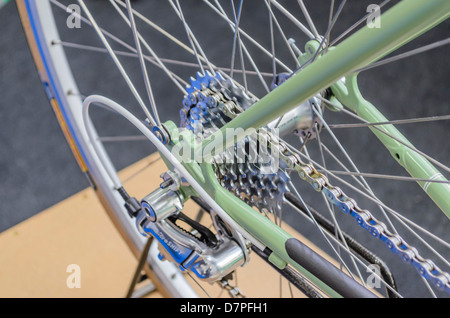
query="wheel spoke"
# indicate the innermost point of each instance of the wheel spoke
(121, 138)
(243, 58)
(221, 13)
(280, 30)
(155, 57)
(332, 212)
(392, 122)
(131, 50)
(237, 41)
(117, 62)
(389, 135)
(137, 41)
(385, 176)
(192, 39)
(272, 43)
(247, 54)
(356, 24)
(401, 142)
(405, 55)
(308, 19)
(293, 19)
(328, 32)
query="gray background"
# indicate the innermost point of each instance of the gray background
(37, 169)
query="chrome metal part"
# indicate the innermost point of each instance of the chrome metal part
(300, 121)
(209, 256)
(162, 203)
(217, 263)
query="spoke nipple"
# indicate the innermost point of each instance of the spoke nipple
(294, 47)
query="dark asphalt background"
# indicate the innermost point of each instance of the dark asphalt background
(37, 169)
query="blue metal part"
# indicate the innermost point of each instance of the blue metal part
(202, 81)
(179, 253)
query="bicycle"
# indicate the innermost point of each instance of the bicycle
(244, 180)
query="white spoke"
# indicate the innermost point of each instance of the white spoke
(323, 47)
(285, 39)
(293, 19)
(192, 38)
(272, 43)
(177, 80)
(117, 63)
(189, 36)
(392, 122)
(233, 49)
(328, 32)
(137, 41)
(132, 51)
(332, 212)
(354, 26)
(245, 34)
(252, 62)
(389, 135)
(401, 142)
(121, 138)
(182, 45)
(237, 40)
(149, 49)
(406, 54)
(386, 176)
(308, 19)
(153, 61)
(330, 15)
(200, 61)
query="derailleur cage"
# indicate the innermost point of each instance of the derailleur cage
(210, 256)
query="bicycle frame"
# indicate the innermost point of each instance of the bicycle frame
(401, 24)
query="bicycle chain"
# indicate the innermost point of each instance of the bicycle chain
(233, 291)
(426, 267)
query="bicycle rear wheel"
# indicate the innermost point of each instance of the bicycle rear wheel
(63, 87)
